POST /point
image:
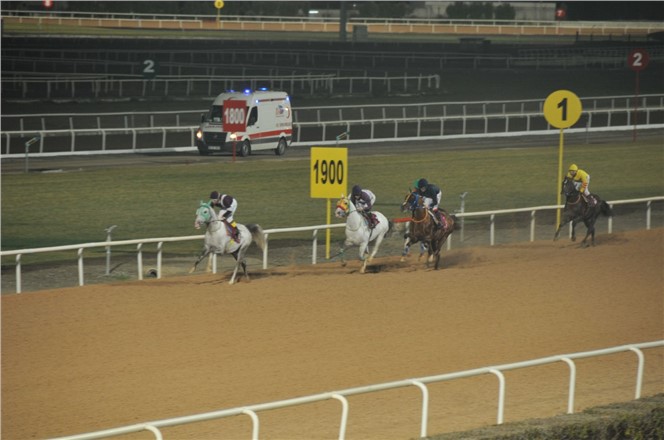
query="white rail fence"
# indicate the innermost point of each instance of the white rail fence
(79, 248)
(363, 112)
(206, 86)
(120, 140)
(421, 383)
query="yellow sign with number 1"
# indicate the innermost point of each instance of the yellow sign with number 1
(562, 109)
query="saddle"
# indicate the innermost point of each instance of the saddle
(371, 219)
(591, 200)
(439, 219)
(232, 231)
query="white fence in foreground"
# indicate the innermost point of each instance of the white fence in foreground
(314, 254)
(342, 395)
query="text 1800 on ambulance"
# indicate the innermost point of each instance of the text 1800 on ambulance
(247, 121)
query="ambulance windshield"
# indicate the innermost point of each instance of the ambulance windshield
(215, 113)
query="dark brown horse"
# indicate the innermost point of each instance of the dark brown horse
(432, 233)
(577, 209)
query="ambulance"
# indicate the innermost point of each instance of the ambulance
(247, 121)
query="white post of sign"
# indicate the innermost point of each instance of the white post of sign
(562, 109)
(328, 177)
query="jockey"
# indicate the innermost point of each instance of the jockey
(363, 199)
(581, 181)
(432, 195)
(227, 205)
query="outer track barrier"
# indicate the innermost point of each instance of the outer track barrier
(342, 395)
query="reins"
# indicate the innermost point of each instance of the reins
(414, 220)
(578, 199)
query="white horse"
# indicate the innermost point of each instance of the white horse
(218, 239)
(358, 232)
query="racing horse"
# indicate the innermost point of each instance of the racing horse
(358, 232)
(423, 228)
(218, 239)
(577, 209)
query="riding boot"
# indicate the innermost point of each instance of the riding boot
(370, 219)
(590, 200)
(436, 219)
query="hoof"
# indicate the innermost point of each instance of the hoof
(343, 264)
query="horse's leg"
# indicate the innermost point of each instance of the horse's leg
(238, 255)
(379, 240)
(342, 252)
(590, 232)
(208, 268)
(243, 263)
(406, 248)
(563, 222)
(203, 254)
(423, 247)
(574, 223)
(366, 255)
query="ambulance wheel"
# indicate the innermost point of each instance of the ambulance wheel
(281, 147)
(245, 149)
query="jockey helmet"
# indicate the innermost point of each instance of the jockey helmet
(214, 195)
(422, 183)
(357, 191)
(573, 167)
(227, 201)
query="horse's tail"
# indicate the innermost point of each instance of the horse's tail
(390, 228)
(257, 234)
(457, 223)
(605, 209)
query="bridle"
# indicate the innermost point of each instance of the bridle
(414, 206)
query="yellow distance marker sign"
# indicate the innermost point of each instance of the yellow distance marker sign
(562, 109)
(329, 172)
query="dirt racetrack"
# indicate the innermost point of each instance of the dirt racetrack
(95, 357)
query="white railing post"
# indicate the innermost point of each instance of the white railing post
(254, 422)
(425, 407)
(648, 212)
(492, 233)
(344, 415)
(265, 236)
(314, 251)
(80, 267)
(610, 221)
(159, 258)
(572, 384)
(501, 395)
(18, 273)
(155, 431)
(639, 372)
(532, 225)
(139, 257)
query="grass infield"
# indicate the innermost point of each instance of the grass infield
(51, 209)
